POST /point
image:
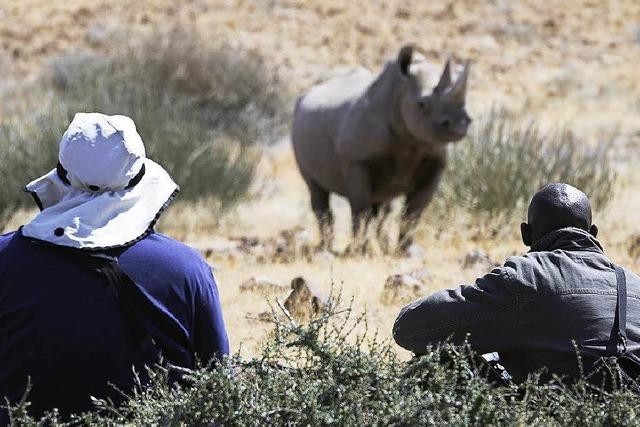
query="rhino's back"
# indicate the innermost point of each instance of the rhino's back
(339, 91)
(317, 118)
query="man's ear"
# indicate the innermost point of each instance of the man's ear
(525, 230)
(594, 230)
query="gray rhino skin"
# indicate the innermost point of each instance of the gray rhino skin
(372, 138)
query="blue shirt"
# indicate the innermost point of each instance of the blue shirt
(62, 327)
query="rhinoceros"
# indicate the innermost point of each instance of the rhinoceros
(371, 138)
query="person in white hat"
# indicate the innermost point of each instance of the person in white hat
(88, 291)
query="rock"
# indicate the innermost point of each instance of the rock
(286, 247)
(246, 243)
(263, 285)
(263, 316)
(221, 249)
(414, 251)
(305, 301)
(421, 274)
(403, 12)
(400, 288)
(478, 258)
(292, 244)
(251, 247)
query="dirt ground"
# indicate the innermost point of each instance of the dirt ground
(571, 63)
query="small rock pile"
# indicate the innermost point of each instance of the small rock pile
(288, 246)
(304, 302)
(478, 259)
(264, 286)
(404, 288)
(634, 246)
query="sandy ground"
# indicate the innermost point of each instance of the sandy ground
(362, 279)
(561, 62)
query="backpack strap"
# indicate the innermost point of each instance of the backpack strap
(159, 337)
(621, 312)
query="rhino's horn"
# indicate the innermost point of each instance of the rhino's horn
(445, 78)
(405, 57)
(458, 91)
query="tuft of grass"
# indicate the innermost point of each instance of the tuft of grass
(230, 91)
(202, 110)
(321, 373)
(28, 149)
(495, 171)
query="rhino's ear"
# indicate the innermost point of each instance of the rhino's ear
(297, 284)
(445, 78)
(458, 91)
(404, 59)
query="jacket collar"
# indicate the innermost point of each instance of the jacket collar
(568, 239)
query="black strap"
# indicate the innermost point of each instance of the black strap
(62, 174)
(172, 343)
(120, 283)
(156, 333)
(136, 179)
(621, 311)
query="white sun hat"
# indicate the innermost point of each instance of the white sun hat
(104, 193)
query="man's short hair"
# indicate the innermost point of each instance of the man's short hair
(558, 206)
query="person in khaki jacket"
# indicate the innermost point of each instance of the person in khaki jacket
(538, 308)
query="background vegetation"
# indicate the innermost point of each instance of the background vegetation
(201, 111)
(502, 163)
(204, 106)
(318, 374)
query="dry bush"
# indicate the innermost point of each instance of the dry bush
(28, 148)
(231, 91)
(495, 171)
(200, 109)
(323, 373)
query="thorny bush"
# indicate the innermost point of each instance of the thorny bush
(325, 373)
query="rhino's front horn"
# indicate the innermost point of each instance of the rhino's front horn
(445, 78)
(404, 59)
(458, 91)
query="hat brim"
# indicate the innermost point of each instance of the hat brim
(99, 220)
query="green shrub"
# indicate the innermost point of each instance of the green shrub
(200, 109)
(497, 169)
(230, 91)
(28, 149)
(323, 374)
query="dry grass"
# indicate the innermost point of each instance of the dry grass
(571, 61)
(564, 63)
(282, 204)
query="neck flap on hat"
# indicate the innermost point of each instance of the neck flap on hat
(101, 220)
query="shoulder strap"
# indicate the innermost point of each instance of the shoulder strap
(621, 311)
(140, 314)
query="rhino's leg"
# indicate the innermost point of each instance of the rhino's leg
(359, 195)
(417, 200)
(382, 213)
(322, 212)
(362, 236)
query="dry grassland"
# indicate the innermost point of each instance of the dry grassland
(560, 62)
